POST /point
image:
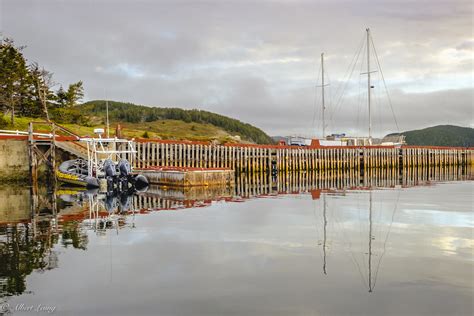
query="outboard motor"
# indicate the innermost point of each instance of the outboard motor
(111, 202)
(109, 168)
(124, 167)
(110, 174)
(125, 201)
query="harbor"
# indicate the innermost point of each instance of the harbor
(241, 158)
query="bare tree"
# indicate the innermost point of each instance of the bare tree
(43, 82)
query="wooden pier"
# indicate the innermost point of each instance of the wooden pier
(265, 158)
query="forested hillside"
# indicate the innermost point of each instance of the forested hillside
(131, 113)
(441, 135)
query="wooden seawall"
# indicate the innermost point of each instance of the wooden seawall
(262, 158)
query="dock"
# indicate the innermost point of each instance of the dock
(187, 176)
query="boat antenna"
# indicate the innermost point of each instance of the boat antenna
(107, 113)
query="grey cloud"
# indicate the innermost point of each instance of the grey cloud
(256, 62)
(466, 45)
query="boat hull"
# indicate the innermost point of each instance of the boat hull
(73, 172)
(79, 180)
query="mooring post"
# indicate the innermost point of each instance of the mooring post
(53, 161)
(32, 160)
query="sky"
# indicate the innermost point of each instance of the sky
(259, 61)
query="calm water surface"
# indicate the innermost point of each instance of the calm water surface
(393, 250)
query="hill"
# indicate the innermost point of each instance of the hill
(164, 129)
(173, 122)
(441, 135)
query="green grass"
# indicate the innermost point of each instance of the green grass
(20, 123)
(132, 113)
(174, 129)
(162, 129)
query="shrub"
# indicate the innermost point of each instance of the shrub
(65, 115)
(3, 122)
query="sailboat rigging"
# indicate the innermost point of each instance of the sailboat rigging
(369, 278)
(342, 139)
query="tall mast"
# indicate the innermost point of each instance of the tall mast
(323, 108)
(368, 82)
(322, 93)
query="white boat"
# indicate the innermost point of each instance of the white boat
(109, 162)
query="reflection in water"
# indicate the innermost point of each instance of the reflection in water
(27, 246)
(368, 277)
(20, 254)
(30, 241)
(116, 206)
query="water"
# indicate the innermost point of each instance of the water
(273, 249)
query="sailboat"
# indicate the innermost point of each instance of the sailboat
(342, 139)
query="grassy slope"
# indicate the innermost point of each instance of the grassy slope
(441, 135)
(164, 129)
(128, 112)
(157, 122)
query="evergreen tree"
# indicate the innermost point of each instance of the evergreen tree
(74, 94)
(61, 98)
(26, 90)
(13, 77)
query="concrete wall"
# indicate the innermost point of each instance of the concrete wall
(14, 162)
(14, 204)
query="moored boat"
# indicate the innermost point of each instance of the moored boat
(106, 166)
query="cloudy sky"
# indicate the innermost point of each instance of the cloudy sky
(259, 61)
